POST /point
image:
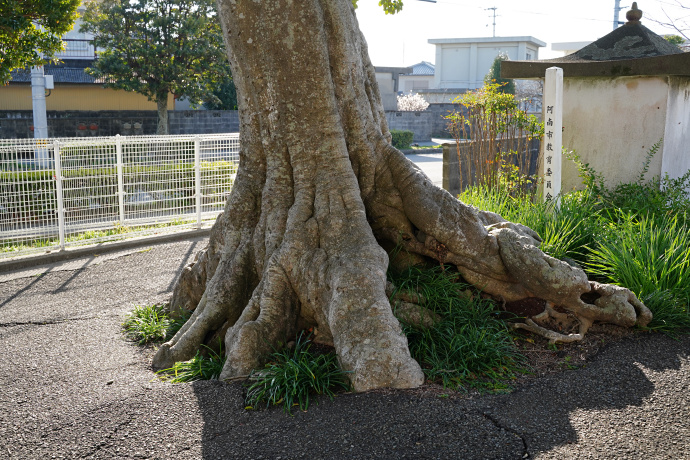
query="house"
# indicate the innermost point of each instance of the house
(74, 89)
(421, 78)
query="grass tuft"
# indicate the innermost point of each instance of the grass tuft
(151, 324)
(470, 346)
(147, 324)
(292, 375)
(200, 367)
(650, 255)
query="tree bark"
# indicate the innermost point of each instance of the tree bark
(320, 192)
(162, 105)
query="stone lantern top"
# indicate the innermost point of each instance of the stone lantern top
(634, 15)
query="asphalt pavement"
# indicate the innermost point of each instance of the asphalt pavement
(72, 387)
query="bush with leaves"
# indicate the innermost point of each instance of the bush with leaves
(402, 139)
(493, 139)
(150, 324)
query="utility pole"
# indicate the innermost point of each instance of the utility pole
(494, 23)
(616, 13)
(38, 96)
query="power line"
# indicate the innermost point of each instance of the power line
(494, 23)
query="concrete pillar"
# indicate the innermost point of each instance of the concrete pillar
(38, 97)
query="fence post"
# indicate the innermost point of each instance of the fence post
(120, 179)
(451, 170)
(197, 178)
(58, 191)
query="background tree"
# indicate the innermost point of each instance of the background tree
(223, 95)
(675, 40)
(507, 85)
(322, 200)
(675, 16)
(157, 48)
(30, 32)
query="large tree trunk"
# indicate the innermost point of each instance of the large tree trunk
(320, 193)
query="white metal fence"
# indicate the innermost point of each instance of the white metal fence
(57, 193)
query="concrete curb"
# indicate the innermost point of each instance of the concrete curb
(421, 151)
(67, 254)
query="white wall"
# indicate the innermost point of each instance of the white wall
(676, 148)
(612, 123)
(387, 90)
(415, 83)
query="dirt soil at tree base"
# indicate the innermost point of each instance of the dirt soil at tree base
(72, 387)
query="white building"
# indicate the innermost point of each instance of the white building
(462, 63)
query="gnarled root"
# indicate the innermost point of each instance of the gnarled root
(567, 286)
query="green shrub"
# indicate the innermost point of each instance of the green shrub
(500, 151)
(292, 375)
(402, 139)
(650, 255)
(657, 196)
(151, 324)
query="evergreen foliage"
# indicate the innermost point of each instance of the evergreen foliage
(158, 47)
(30, 32)
(505, 85)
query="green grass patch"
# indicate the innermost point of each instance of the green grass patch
(292, 375)
(470, 346)
(650, 255)
(206, 365)
(116, 230)
(147, 324)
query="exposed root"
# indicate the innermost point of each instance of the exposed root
(553, 336)
(415, 314)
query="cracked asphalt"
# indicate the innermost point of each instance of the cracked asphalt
(72, 387)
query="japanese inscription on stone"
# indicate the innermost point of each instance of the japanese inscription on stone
(553, 136)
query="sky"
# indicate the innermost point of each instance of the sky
(401, 39)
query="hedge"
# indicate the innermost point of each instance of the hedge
(402, 139)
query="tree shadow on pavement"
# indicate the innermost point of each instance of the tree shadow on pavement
(426, 424)
(609, 392)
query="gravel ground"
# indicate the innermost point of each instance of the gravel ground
(71, 387)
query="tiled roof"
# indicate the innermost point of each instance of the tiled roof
(71, 71)
(629, 50)
(423, 68)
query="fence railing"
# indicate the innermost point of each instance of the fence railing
(57, 193)
(77, 48)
